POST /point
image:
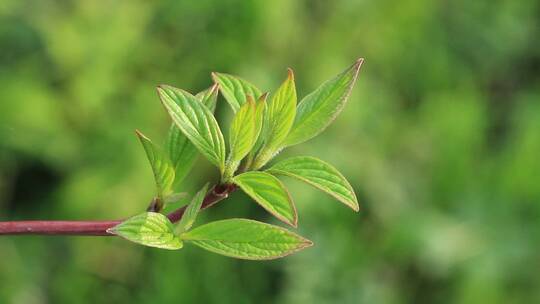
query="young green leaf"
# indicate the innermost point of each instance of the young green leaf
(192, 209)
(260, 123)
(242, 132)
(149, 229)
(260, 113)
(270, 193)
(181, 151)
(320, 175)
(280, 118)
(246, 239)
(235, 89)
(317, 110)
(241, 135)
(197, 123)
(281, 112)
(161, 166)
(209, 97)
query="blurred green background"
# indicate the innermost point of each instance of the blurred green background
(440, 139)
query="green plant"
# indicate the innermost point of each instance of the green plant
(260, 129)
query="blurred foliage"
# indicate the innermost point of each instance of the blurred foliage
(441, 140)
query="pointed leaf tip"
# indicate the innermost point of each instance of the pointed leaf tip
(290, 73)
(318, 109)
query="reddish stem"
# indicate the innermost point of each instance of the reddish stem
(98, 228)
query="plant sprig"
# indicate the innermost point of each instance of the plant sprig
(259, 130)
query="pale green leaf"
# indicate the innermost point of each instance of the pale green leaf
(161, 166)
(181, 151)
(260, 114)
(260, 123)
(209, 97)
(317, 110)
(189, 216)
(242, 132)
(241, 136)
(269, 192)
(280, 117)
(246, 239)
(197, 123)
(149, 229)
(319, 174)
(235, 89)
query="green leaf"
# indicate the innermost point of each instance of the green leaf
(317, 110)
(260, 122)
(242, 132)
(246, 239)
(270, 193)
(260, 114)
(181, 151)
(197, 123)
(149, 229)
(241, 136)
(189, 216)
(209, 97)
(280, 118)
(161, 166)
(319, 174)
(235, 89)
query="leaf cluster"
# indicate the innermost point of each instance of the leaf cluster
(263, 125)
